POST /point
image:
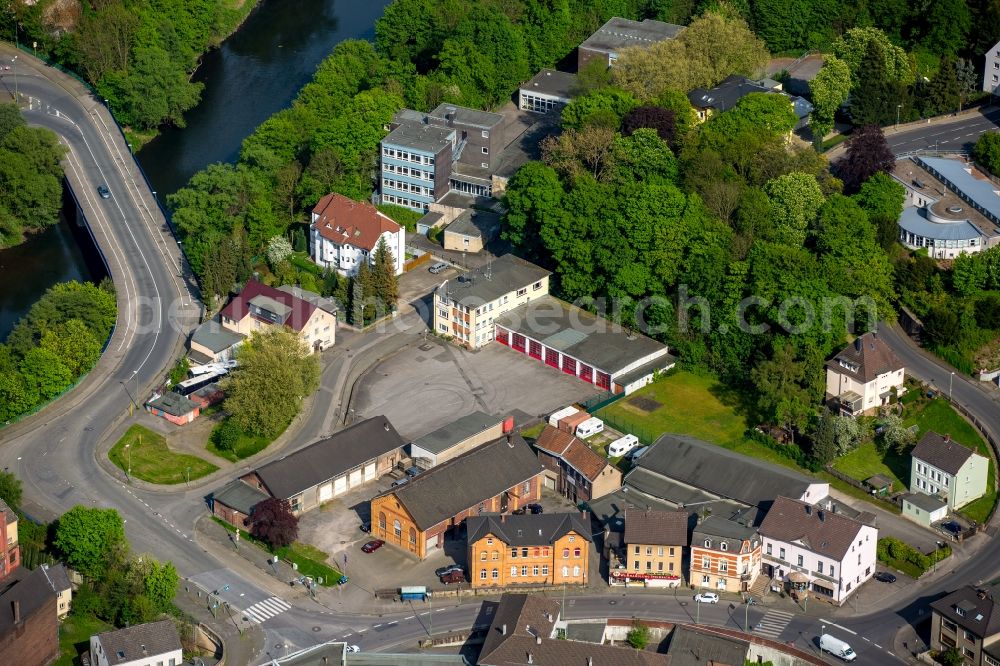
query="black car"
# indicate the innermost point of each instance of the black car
(366, 526)
(448, 569)
(951, 527)
(104, 192)
(519, 511)
(535, 508)
(884, 577)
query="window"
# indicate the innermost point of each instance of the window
(482, 574)
(576, 571)
(397, 529)
(819, 566)
(576, 552)
(832, 574)
(513, 553)
(482, 556)
(513, 572)
(705, 580)
(799, 560)
(522, 292)
(706, 563)
(781, 553)
(659, 551)
(496, 555)
(649, 565)
(534, 570)
(565, 572)
(486, 134)
(670, 567)
(489, 541)
(671, 552)
(413, 536)
(969, 636)
(708, 543)
(768, 549)
(537, 286)
(381, 521)
(572, 538)
(545, 570)
(649, 550)
(637, 550)
(524, 552)
(527, 484)
(486, 151)
(659, 566)
(635, 565)
(524, 570)
(723, 546)
(496, 573)
(565, 553)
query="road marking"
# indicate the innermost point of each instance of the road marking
(409, 618)
(376, 626)
(867, 639)
(773, 623)
(827, 622)
(878, 646)
(438, 610)
(361, 631)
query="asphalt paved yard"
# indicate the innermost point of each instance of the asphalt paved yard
(336, 525)
(425, 387)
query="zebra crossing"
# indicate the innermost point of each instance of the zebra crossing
(266, 609)
(773, 623)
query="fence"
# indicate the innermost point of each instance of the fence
(889, 504)
(600, 401)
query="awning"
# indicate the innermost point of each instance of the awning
(798, 577)
(642, 575)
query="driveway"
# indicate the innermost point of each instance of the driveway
(893, 525)
(425, 387)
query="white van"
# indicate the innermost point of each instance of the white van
(836, 647)
(622, 446)
(559, 415)
(590, 427)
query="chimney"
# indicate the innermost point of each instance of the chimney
(538, 640)
(503, 517)
(144, 651)
(503, 630)
(821, 515)
(16, 608)
(510, 440)
(530, 659)
(590, 661)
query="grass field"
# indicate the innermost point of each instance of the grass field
(74, 637)
(866, 461)
(311, 561)
(150, 459)
(247, 445)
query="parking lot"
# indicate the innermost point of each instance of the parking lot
(424, 388)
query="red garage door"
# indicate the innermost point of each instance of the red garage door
(586, 373)
(517, 342)
(569, 365)
(604, 380)
(552, 358)
(502, 334)
(534, 349)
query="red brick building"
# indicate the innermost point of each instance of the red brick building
(29, 625)
(11, 550)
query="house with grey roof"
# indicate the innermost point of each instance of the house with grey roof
(58, 578)
(139, 645)
(235, 501)
(212, 342)
(29, 624)
(924, 509)
(968, 619)
(942, 467)
(471, 231)
(618, 33)
(864, 376)
(725, 554)
(547, 90)
(174, 407)
(317, 473)
(461, 435)
(691, 647)
(734, 88)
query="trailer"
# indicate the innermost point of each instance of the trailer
(413, 593)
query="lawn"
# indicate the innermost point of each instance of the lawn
(246, 446)
(150, 459)
(74, 637)
(866, 461)
(941, 417)
(311, 561)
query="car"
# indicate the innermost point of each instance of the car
(520, 511)
(353, 649)
(884, 577)
(535, 508)
(453, 577)
(438, 267)
(104, 191)
(707, 598)
(952, 527)
(343, 580)
(372, 546)
(365, 526)
(413, 471)
(448, 569)
(399, 482)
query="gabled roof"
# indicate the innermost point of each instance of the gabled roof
(719, 529)
(528, 529)
(461, 483)
(865, 359)
(818, 530)
(174, 404)
(298, 311)
(31, 589)
(57, 576)
(330, 457)
(348, 222)
(971, 609)
(619, 33)
(240, 496)
(656, 528)
(942, 452)
(573, 450)
(722, 472)
(456, 432)
(140, 641)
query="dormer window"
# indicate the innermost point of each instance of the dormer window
(960, 611)
(708, 543)
(724, 546)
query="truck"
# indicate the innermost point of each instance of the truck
(836, 647)
(413, 593)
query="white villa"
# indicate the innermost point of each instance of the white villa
(345, 233)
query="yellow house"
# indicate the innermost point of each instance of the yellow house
(654, 546)
(528, 549)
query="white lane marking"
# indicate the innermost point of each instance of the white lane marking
(878, 646)
(827, 622)
(409, 618)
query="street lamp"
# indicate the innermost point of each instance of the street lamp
(951, 381)
(898, 107)
(135, 376)
(13, 62)
(128, 452)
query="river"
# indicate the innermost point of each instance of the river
(255, 73)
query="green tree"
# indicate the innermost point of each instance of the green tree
(796, 199)
(829, 90)
(824, 438)
(605, 107)
(10, 119)
(74, 344)
(533, 196)
(86, 536)
(385, 283)
(946, 26)
(944, 93)
(876, 95)
(895, 436)
(158, 582)
(638, 636)
(882, 196)
(275, 373)
(987, 151)
(46, 372)
(781, 382)
(10, 490)
(858, 44)
(950, 657)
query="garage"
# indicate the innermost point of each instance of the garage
(370, 472)
(432, 542)
(354, 479)
(326, 492)
(550, 483)
(340, 485)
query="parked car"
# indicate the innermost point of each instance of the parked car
(366, 526)
(441, 571)
(884, 577)
(413, 471)
(635, 455)
(399, 482)
(707, 598)
(836, 647)
(438, 267)
(372, 546)
(353, 649)
(453, 577)
(535, 508)
(519, 511)
(951, 527)
(343, 580)
(104, 191)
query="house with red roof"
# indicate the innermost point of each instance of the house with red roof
(344, 233)
(259, 307)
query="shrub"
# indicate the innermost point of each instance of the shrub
(227, 436)
(638, 636)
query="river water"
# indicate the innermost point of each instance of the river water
(255, 73)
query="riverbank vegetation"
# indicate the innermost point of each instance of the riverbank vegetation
(30, 177)
(138, 54)
(56, 343)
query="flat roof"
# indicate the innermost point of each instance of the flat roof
(465, 116)
(475, 223)
(580, 334)
(457, 431)
(963, 178)
(551, 82)
(212, 335)
(417, 136)
(929, 503)
(487, 283)
(912, 172)
(619, 33)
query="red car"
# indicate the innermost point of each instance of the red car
(372, 546)
(453, 576)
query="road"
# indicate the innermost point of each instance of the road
(958, 134)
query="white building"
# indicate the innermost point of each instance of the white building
(816, 551)
(863, 376)
(151, 644)
(943, 467)
(991, 70)
(344, 233)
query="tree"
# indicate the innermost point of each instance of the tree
(275, 373)
(604, 107)
(273, 522)
(278, 249)
(876, 96)
(867, 153)
(796, 198)
(10, 490)
(829, 89)
(824, 438)
(385, 283)
(942, 325)
(158, 582)
(882, 196)
(947, 24)
(86, 536)
(987, 151)
(532, 196)
(857, 44)
(10, 119)
(638, 636)
(74, 344)
(780, 381)
(45, 372)
(944, 93)
(654, 117)
(950, 657)
(589, 150)
(895, 436)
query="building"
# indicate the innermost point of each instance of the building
(968, 620)
(943, 467)
(58, 579)
(344, 233)
(458, 437)
(678, 461)
(581, 344)
(141, 645)
(991, 70)
(259, 307)
(618, 33)
(330, 467)
(467, 306)
(573, 469)
(529, 549)
(11, 553)
(725, 555)
(334, 653)
(815, 550)
(234, 503)
(863, 376)
(732, 89)
(547, 90)
(497, 477)
(526, 629)
(654, 543)
(212, 342)
(206, 396)
(950, 207)
(694, 646)
(471, 231)
(924, 509)
(174, 407)
(29, 625)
